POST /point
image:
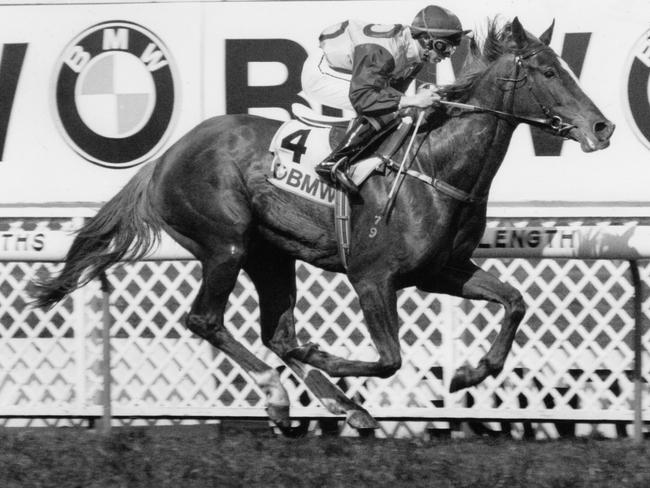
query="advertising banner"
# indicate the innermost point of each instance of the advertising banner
(90, 92)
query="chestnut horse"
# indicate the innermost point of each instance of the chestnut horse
(210, 192)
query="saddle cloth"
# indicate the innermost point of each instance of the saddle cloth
(297, 149)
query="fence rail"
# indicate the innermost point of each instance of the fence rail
(629, 242)
(577, 357)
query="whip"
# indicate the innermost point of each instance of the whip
(400, 173)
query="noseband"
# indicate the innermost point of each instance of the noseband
(552, 122)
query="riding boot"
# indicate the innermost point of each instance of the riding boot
(396, 139)
(334, 167)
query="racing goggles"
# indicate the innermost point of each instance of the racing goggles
(442, 46)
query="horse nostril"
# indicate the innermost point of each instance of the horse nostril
(603, 128)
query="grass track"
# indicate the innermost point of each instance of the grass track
(205, 457)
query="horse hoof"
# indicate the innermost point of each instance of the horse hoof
(460, 379)
(279, 415)
(296, 432)
(456, 385)
(366, 433)
(467, 376)
(360, 419)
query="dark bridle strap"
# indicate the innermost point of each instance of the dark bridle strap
(523, 54)
(439, 185)
(548, 122)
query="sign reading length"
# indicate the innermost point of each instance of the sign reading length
(528, 238)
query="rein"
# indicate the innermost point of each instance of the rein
(552, 122)
(441, 186)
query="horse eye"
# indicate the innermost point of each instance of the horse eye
(549, 73)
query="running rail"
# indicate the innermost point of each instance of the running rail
(628, 242)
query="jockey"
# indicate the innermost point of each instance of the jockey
(367, 68)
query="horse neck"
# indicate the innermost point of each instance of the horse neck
(484, 140)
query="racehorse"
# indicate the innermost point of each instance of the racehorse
(210, 192)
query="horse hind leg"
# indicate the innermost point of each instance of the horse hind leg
(378, 302)
(275, 281)
(206, 319)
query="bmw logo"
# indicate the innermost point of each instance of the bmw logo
(637, 94)
(114, 94)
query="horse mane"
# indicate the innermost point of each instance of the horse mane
(479, 58)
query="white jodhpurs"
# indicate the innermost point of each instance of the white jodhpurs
(325, 85)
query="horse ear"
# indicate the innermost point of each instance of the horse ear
(518, 36)
(474, 48)
(548, 33)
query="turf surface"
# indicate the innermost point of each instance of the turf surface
(208, 457)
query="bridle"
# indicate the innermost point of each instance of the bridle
(552, 122)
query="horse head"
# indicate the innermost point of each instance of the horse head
(544, 88)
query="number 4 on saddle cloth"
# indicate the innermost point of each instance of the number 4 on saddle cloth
(298, 147)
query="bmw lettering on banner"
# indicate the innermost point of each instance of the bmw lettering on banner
(114, 94)
(637, 93)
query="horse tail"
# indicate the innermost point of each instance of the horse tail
(126, 227)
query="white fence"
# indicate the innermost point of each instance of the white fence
(573, 358)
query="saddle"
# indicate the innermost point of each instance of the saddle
(300, 144)
(297, 147)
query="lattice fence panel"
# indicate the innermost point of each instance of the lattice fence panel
(573, 350)
(48, 359)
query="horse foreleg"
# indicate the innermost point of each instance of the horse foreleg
(274, 279)
(470, 281)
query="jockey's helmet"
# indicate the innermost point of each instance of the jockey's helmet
(434, 22)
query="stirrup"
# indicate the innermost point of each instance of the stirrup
(325, 169)
(341, 177)
(346, 183)
(332, 172)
